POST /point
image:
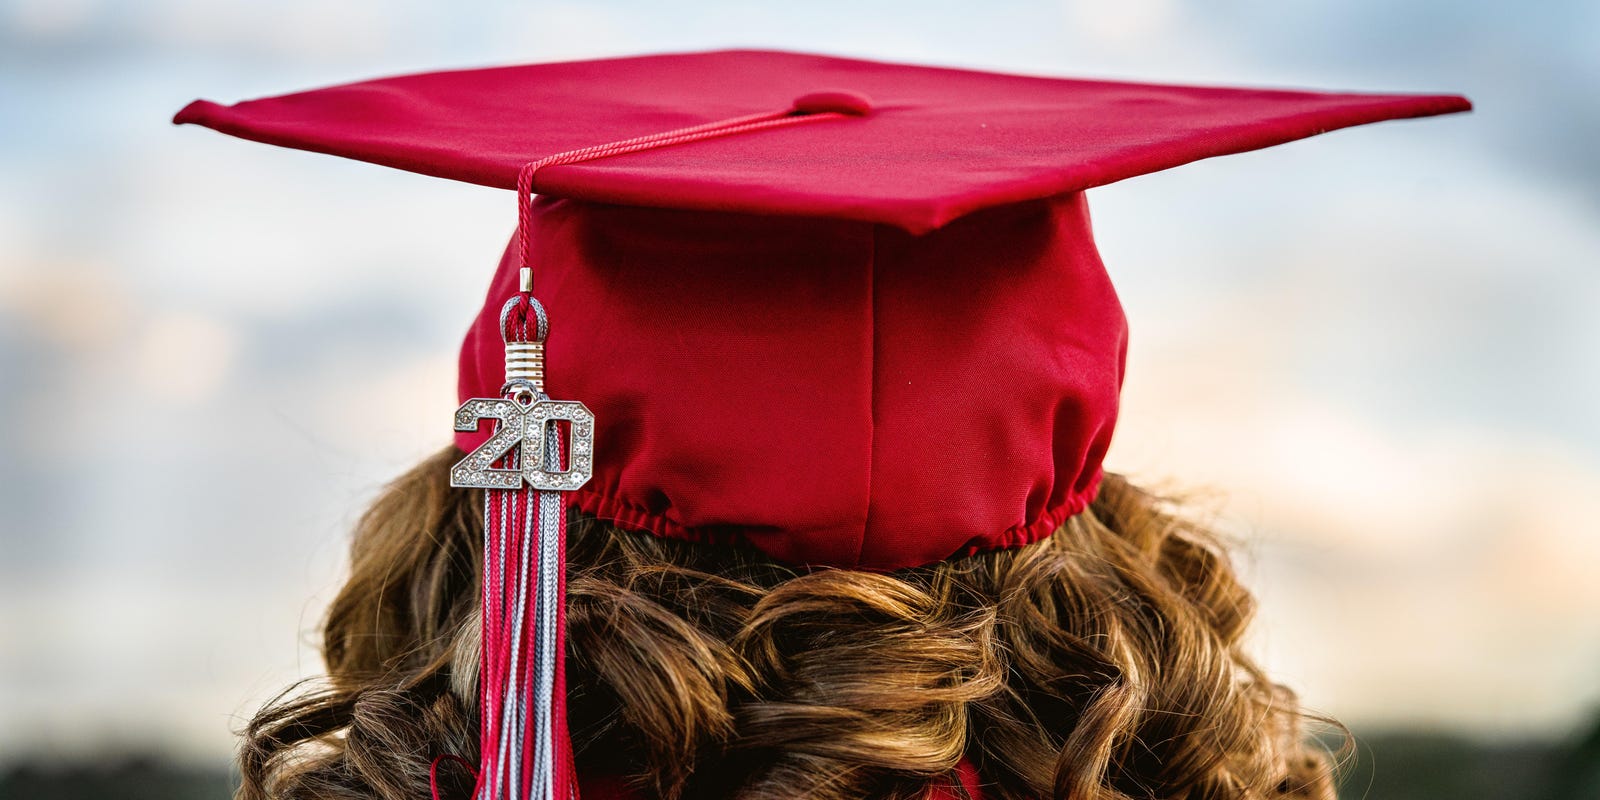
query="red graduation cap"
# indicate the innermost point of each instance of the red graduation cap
(846, 311)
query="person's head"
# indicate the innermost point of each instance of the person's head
(1104, 662)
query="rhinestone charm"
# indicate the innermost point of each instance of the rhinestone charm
(580, 445)
(527, 428)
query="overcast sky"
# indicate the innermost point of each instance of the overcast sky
(1375, 354)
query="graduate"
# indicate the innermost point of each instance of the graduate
(778, 469)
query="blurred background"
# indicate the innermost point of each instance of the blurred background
(1375, 355)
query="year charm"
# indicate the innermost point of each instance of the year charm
(531, 428)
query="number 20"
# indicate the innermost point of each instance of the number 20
(529, 429)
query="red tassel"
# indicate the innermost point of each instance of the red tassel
(525, 749)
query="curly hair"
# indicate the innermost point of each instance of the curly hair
(1102, 663)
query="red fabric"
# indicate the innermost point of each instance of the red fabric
(937, 144)
(815, 386)
(873, 340)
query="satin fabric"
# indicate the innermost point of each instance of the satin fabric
(934, 145)
(832, 392)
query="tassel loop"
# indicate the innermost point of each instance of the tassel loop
(524, 347)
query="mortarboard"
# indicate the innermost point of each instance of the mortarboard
(848, 312)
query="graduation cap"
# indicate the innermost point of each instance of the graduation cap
(848, 312)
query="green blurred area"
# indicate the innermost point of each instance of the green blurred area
(1389, 765)
(124, 778)
(1401, 765)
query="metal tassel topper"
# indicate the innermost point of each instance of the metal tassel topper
(526, 416)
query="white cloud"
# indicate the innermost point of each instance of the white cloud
(183, 357)
(1126, 22)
